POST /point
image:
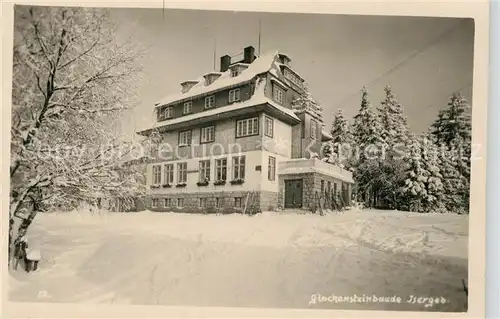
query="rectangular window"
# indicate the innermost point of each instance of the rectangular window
(184, 138)
(247, 127)
(157, 174)
(314, 128)
(180, 202)
(234, 72)
(182, 172)
(155, 202)
(322, 187)
(239, 167)
(237, 202)
(168, 112)
(207, 134)
(329, 187)
(335, 189)
(168, 202)
(203, 202)
(188, 106)
(169, 173)
(204, 170)
(219, 202)
(269, 128)
(271, 169)
(210, 101)
(221, 169)
(234, 95)
(278, 94)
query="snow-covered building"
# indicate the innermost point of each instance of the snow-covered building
(230, 133)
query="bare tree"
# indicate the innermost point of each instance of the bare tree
(71, 82)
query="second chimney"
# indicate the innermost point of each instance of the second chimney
(248, 54)
(225, 61)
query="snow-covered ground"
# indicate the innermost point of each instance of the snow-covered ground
(267, 260)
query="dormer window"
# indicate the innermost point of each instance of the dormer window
(167, 113)
(188, 106)
(211, 77)
(278, 94)
(186, 86)
(234, 95)
(210, 101)
(234, 72)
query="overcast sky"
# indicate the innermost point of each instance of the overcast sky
(335, 54)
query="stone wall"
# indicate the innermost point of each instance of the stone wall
(262, 199)
(311, 185)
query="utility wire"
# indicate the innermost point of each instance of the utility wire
(440, 38)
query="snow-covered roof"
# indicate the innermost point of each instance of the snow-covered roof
(257, 98)
(260, 65)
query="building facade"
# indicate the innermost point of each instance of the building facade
(237, 134)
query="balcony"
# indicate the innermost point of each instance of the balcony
(313, 165)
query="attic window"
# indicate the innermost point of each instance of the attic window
(234, 72)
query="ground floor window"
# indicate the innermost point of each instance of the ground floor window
(180, 202)
(238, 201)
(203, 202)
(168, 202)
(155, 202)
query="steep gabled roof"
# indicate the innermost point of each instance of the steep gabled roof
(260, 65)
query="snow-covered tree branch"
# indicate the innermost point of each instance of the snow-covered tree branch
(71, 82)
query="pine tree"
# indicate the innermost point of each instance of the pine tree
(433, 202)
(394, 123)
(414, 190)
(342, 138)
(368, 146)
(453, 131)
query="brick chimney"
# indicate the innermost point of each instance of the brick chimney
(248, 54)
(225, 61)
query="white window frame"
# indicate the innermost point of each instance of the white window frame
(271, 169)
(204, 170)
(278, 94)
(188, 107)
(168, 112)
(207, 134)
(220, 169)
(167, 202)
(180, 202)
(168, 173)
(182, 172)
(156, 180)
(185, 138)
(234, 95)
(155, 202)
(247, 127)
(314, 129)
(239, 167)
(268, 126)
(210, 101)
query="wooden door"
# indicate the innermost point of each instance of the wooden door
(293, 193)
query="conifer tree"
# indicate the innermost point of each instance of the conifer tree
(394, 123)
(368, 146)
(414, 190)
(452, 130)
(433, 202)
(342, 138)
